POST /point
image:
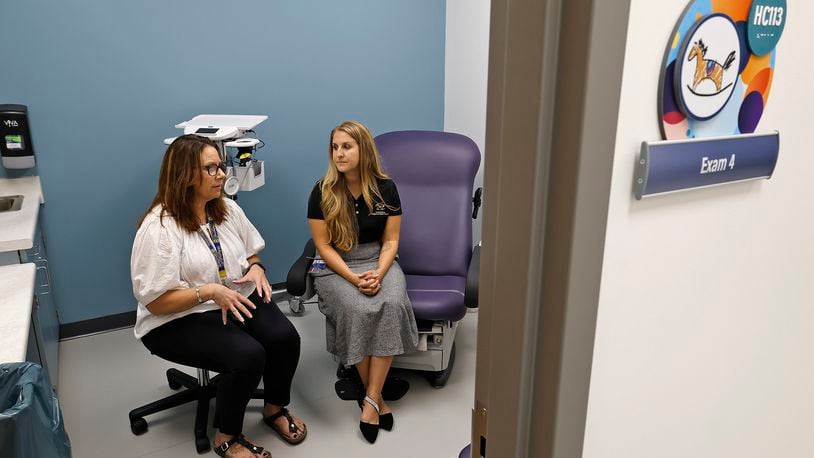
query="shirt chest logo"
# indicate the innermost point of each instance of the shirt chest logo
(379, 209)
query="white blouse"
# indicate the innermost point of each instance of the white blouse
(165, 256)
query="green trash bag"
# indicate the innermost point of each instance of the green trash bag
(30, 418)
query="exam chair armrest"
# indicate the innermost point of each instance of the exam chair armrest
(477, 201)
(296, 282)
(471, 291)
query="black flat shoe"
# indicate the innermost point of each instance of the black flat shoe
(385, 419)
(369, 430)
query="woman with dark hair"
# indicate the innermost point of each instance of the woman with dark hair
(354, 213)
(204, 300)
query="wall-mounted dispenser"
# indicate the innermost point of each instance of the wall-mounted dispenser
(15, 138)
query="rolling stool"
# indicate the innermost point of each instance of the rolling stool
(201, 389)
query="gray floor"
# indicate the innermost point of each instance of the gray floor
(103, 376)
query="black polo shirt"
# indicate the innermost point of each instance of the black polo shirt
(371, 224)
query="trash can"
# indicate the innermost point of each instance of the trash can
(30, 418)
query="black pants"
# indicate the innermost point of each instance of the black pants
(266, 345)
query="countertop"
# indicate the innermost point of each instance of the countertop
(16, 299)
(18, 228)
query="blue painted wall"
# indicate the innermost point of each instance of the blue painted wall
(106, 81)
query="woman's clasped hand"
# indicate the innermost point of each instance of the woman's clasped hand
(370, 282)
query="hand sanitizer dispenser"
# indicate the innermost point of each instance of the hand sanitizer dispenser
(15, 138)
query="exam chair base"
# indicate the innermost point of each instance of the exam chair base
(201, 389)
(435, 359)
(436, 355)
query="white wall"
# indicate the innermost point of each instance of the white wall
(466, 67)
(705, 330)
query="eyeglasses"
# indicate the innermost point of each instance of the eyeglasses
(212, 169)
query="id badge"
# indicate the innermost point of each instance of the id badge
(317, 266)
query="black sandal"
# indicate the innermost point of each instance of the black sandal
(223, 448)
(292, 427)
(385, 419)
(369, 430)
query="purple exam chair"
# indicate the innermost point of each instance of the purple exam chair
(435, 175)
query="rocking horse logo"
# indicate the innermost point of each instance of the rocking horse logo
(707, 74)
(708, 68)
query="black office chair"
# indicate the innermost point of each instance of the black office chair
(201, 389)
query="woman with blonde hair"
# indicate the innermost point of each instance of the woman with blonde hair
(204, 300)
(354, 214)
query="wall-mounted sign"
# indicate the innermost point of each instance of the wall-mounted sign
(767, 18)
(715, 81)
(675, 165)
(687, 116)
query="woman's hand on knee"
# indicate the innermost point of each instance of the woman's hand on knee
(257, 275)
(231, 301)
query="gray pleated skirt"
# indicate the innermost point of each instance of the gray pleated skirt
(358, 325)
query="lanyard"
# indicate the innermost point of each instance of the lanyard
(214, 248)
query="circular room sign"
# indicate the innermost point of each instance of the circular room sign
(695, 100)
(767, 18)
(707, 68)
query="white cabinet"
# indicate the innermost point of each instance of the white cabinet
(17, 339)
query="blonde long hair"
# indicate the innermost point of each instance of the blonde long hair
(336, 205)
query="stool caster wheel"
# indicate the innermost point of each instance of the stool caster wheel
(171, 379)
(297, 306)
(138, 426)
(202, 444)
